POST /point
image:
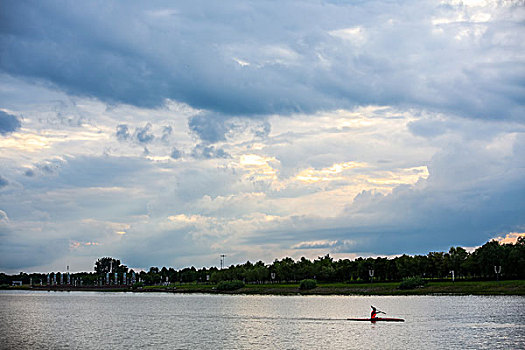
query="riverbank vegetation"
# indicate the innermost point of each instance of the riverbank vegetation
(506, 287)
(470, 271)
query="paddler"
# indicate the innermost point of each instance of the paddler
(375, 312)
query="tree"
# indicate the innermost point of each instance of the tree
(323, 268)
(437, 266)
(457, 258)
(404, 265)
(489, 255)
(304, 269)
(104, 265)
(284, 269)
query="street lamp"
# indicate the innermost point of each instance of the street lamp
(497, 270)
(222, 260)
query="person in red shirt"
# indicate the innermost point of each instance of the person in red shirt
(375, 312)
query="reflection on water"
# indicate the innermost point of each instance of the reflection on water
(88, 320)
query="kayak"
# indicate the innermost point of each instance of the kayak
(377, 319)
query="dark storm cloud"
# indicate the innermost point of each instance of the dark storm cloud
(247, 58)
(8, 123)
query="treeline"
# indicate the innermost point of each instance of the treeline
(490, 261)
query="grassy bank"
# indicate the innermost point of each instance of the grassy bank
(461, 288)
(392, 288)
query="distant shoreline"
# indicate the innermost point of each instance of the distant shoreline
(514, 287)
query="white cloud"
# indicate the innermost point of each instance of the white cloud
(3, 217)
(355, 35)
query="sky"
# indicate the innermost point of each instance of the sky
(167, 133)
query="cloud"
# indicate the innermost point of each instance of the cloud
(86, 200)
(175, 153)
(144, 134)
(3, 182)
(17, 253)
(214, 128)
(122, 132)
(469, 194)
(8, 123)
(361, 178)
(47, 167)
(315, 245)
(202, 151)
(263, 130)
(349, 128)
(510, 238)
(3, 217)
(427, 128)
(466, 200)
(210, 57)
(209, 128)
(166, 133)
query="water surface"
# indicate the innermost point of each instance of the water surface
(92, 320)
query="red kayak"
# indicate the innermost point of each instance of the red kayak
(377, 319)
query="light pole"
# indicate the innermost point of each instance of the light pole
(222, 260)
(497, 270)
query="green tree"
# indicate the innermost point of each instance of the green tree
(284, 269)
(457, 260)
(323, 268)
(437, 265)
(489, 255)
(404, 265)
(515, 262)
(104, 265)
(304, 269)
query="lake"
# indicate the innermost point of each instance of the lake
(95, 320)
